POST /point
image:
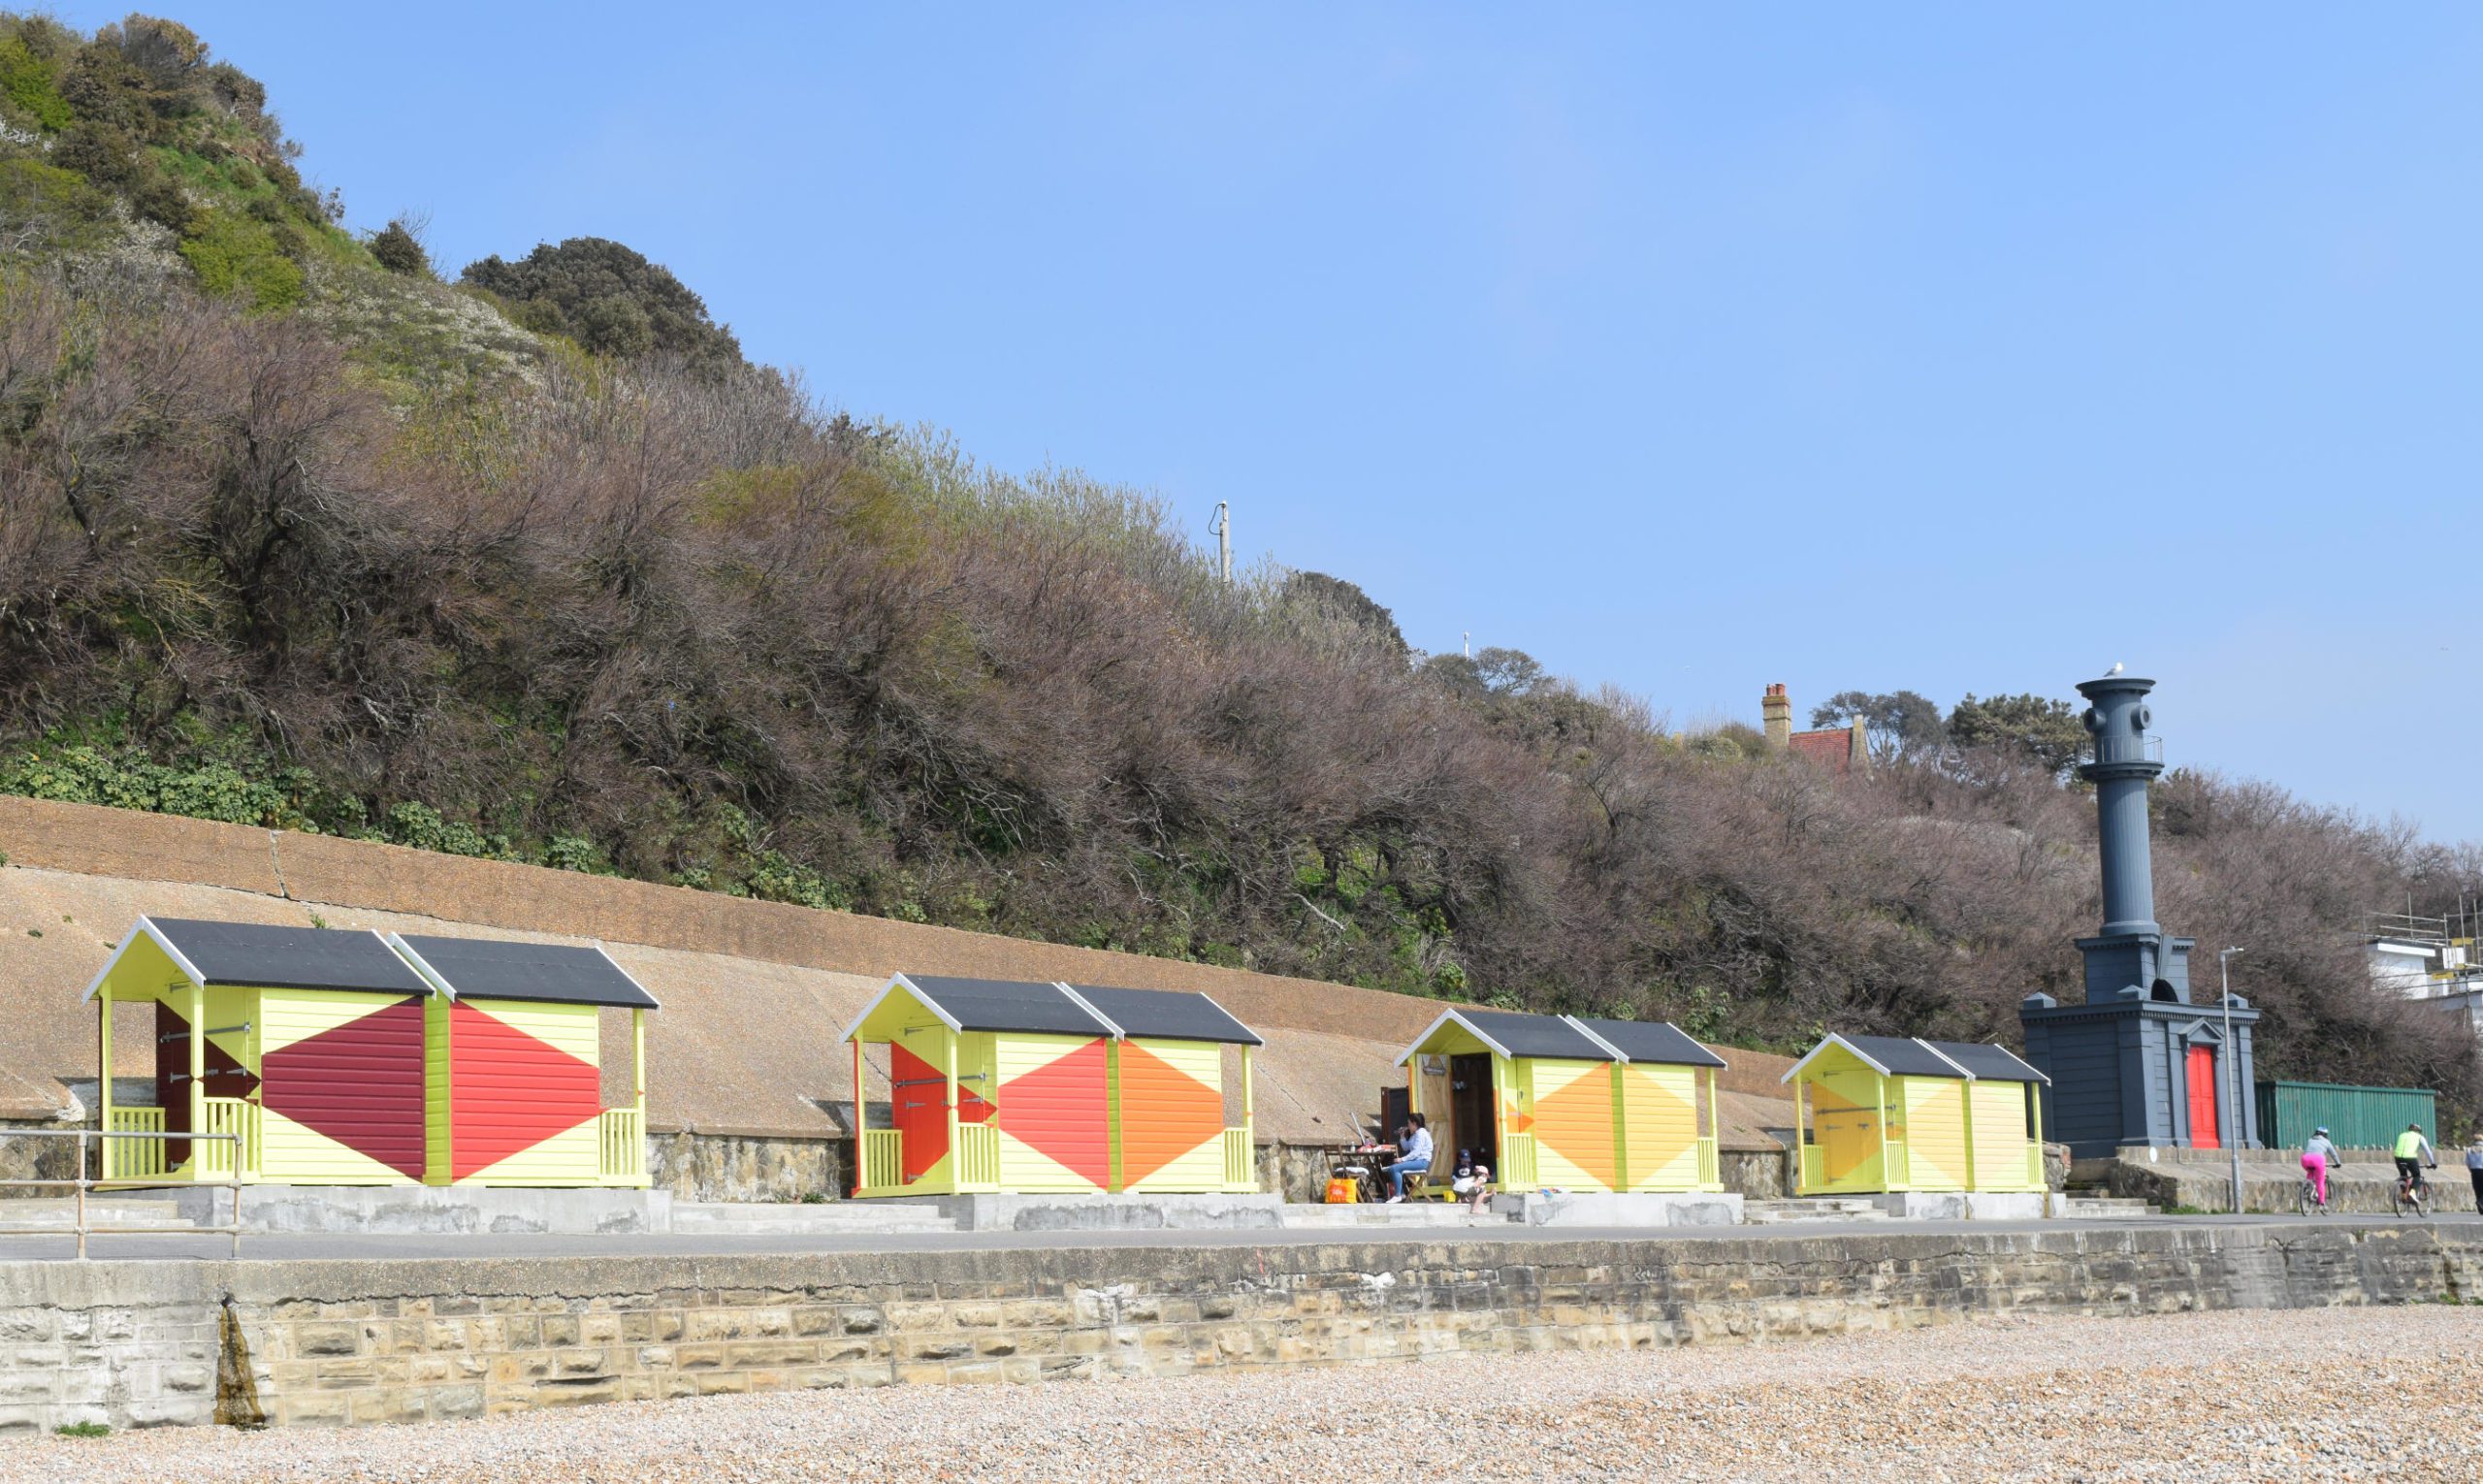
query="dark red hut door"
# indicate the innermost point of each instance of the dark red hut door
(2203, 1098)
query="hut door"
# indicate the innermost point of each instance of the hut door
(1470, 1102)
(2202, 1068)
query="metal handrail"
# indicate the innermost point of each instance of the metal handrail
(82, 1184)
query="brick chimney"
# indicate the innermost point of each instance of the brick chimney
(1776, 709)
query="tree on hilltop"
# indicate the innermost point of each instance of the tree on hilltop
(2045, 731)
(1903, 726)
(608, 297)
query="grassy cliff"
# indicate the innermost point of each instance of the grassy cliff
(536, 566)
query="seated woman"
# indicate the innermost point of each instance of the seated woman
(1418, 1157)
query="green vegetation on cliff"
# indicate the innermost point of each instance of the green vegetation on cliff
(538, 566)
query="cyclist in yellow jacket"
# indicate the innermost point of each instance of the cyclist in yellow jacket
(2413, 1152)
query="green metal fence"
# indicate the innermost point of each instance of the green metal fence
(2356, 1117)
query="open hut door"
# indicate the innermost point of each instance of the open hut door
(919, 1103)
(1470, 1102)
(2203, 1100)
(226, 1077)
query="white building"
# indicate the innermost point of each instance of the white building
(2431, 959)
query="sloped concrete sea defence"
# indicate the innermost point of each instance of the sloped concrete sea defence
(346, 1343)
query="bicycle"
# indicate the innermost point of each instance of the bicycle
(2413, 1195)
(2309, 1201)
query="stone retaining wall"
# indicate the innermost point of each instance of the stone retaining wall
(342, 1342)
(728, 1164)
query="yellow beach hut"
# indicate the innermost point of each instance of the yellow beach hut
(1031, 1088)
(513, 1064)
(1890, 1114)
(301, 1048)
(337, 1057)
(1567, 1103)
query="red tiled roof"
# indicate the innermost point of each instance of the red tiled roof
(1832, 750)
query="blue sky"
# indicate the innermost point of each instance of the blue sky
(1944, 347)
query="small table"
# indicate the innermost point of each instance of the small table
(1372, 1158)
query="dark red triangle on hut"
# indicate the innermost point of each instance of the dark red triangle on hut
(360, 1083)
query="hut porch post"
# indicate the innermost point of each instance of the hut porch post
(1880, 1092)
(860, 1126)
(638, 1064)
(1249, 1106)
(1500, 1128)
(1801, 1143)
(956, 1155)
(198, 1072)
(1714, 1131)
(1966, 1099)
(104, 1082)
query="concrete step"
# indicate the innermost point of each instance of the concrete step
(59, 1213)
(2088, 1207)
(1433, 1213)
(1812, 1208)
(778, 1219)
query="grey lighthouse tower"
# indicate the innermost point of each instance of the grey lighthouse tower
(2137, 1063)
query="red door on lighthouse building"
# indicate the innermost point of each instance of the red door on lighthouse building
(2203, 1099)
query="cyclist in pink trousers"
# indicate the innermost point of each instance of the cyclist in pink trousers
(2317, 1156)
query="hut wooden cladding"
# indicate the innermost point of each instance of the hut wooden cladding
(345, 1058)
(1565, 1103)
(1887, 1114)
(1004, 1086)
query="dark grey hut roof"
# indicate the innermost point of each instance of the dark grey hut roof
(1007, 1005)
(1657, 1041)
(1901, 1055)
(551, 973)
(1989, 1063)
(1170, 1014)
(1525, 1035)
(261, 955)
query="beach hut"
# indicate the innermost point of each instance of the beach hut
(513, 1064)
(1007, 1085)
(1567, 1103)
(1890, 1113)
(337, 1057)
(304, 1044)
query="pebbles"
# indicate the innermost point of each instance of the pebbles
(2319, 1394)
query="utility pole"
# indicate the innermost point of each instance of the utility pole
(2230, 1056)
(1468, 638)
(1224, 539)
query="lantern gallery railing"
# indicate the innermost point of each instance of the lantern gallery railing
(621, 1144)
(977, 1157)
(1240, 1167)
(136, 1158)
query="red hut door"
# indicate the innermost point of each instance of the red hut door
(2203, 1098)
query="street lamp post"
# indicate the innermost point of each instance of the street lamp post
(2232, 1058)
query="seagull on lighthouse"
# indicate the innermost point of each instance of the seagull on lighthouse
(2116, 669)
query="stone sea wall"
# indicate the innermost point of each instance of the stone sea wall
(349, 1342)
